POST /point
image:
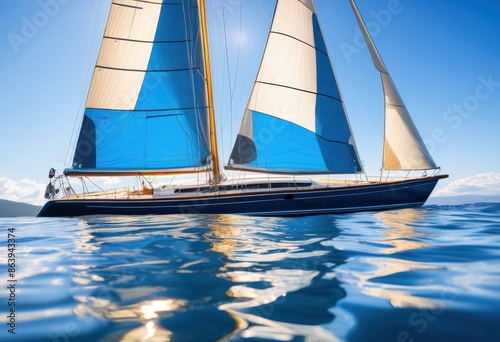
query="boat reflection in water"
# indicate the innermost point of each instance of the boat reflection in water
(208, 277)
(280, 289)
(400, 230)
(149, 279)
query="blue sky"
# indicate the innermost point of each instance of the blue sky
(444, 57)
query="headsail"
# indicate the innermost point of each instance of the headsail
(295, 120)
(404, 148)
(147, 108)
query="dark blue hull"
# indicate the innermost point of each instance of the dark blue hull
(404, 194)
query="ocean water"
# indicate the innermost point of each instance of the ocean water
(427, 274)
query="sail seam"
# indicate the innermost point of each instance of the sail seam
(151, 110)
(395, 105)
(150, 41)
(147, 70)
(301, 41)
(128, 6)
(159, 3)
(147, 2)
(298, 89)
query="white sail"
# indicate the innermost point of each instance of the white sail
(404, 148)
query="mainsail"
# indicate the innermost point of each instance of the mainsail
(147, 107)
(404, 148)
(295, 120)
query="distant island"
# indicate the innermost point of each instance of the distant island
(17, 209)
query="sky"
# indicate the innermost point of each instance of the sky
(444, 57)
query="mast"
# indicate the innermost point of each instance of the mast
(213, 137)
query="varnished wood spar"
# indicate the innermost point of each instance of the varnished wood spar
(213, 136)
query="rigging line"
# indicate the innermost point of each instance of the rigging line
(85, 83)
(223, 10)
(238, 56)
(220, 77)
(233, 83)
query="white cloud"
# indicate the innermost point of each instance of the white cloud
(482, 184)
(24, 190)
(28, 191)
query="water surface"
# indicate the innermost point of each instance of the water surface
(427, 274)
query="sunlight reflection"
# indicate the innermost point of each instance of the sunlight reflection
(225, 229)
(150, 332)
(151, 309)
(147, 310)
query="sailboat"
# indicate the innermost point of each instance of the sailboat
(149, 113)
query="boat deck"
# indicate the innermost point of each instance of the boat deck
(206, 190)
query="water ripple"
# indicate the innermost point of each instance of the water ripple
(397, 275)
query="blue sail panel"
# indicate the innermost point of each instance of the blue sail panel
(282, 146)
(169, 56)
(326, 82)
(136, 134)
(172, 90)
(179, 21)
(330, 122)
